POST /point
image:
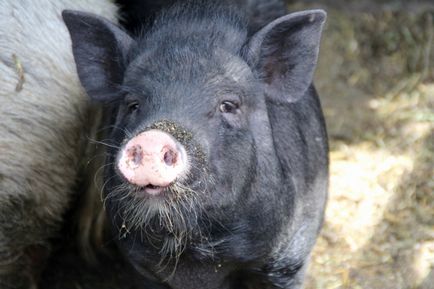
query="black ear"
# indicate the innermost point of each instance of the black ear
(100, 49)
(284, 53)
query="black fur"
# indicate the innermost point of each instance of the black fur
(250, 211)
(138, 15)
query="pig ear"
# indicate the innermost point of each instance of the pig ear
(100, 49)
(284, 53)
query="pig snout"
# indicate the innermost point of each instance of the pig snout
(153, 160)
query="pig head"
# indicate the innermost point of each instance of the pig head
(216, 170)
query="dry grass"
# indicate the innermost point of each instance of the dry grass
(376, 81)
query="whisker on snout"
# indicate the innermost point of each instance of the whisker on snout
(103, 143)
(176, 216)
(127, 133)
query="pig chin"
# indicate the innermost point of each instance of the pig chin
(168, 218)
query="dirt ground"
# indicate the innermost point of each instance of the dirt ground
(376, 82)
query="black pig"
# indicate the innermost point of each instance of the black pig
(217, 167)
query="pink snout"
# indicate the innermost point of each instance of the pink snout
(153, 160)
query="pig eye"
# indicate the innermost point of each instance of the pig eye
(228, 107)
(133, 106)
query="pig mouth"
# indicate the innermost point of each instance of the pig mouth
(154, 190)
(170, 190)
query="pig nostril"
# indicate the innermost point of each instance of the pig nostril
(170, 157)
(135, 155)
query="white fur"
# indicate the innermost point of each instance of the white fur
(42, 126)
